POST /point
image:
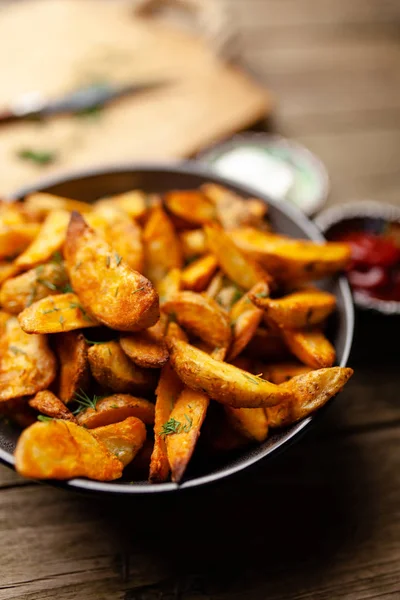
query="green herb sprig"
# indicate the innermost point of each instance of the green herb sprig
(84, 401)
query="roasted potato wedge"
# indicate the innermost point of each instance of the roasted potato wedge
(48, 404)
(145, 348)
(114, 409)
(108, 288)
(11, 213)
(241, 269)
(202, 316)
(310, 346)
(232, 210)
(174, 331)
(112, 369)
(49, 240)
(42, 203)
(182, 430)
(168, 389)
(62, 450)
(193, 243)
(56, 314)
(169, 285)
(215, 285)
(309, 392)
(303, 308)
(267, 345)
(222, 382)
(4, 316)
(7, 270)
(123, 439)
(134, 203)
(16, 238)
(190, 205)
(45, 280)
(291, 260)
(27, 365)
(74, 372)
(245, 319)
(161, 246)
(281, 372)
(198, 274)
(251, 423)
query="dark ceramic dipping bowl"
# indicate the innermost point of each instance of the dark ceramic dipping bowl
(287, 219)
(367, 216)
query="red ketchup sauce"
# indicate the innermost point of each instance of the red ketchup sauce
(375, 264)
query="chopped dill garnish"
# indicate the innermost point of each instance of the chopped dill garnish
(84, 401)
(188, 426)
(251, 378)
(108, 261)
(118, 258)
(51, 286)
(138, 290)
(57, 257)
(61, 320)
(93, 342)
(44, 418)
(50, 310)
(17, 350)
(67, 289)
(171, 426)
(262, 295)
(116, 291)
(39, 157)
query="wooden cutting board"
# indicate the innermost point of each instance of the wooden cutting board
(61, 45)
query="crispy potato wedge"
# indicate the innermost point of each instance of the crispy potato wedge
(222, 382)
(245, 319)
(16, 238)
(182, 430)
(112, 369)
(49, 240)
(48, 404)
(161, 246)
(45, 280)
(169, 285)
(123, 439)
(168, 389)
(145, 348)
(190, 205)
(252, 423)
(267, 345)
(308, 392)
(107, 287)
(198, 274)
(27, 365)
(281, 372)
(232, 210)
(215, 285)
(56, 314)
(62, 450)
(303, 308)
(193, 243)
(74, 372)
(174, 331)
(42, 203)
(202, 316)
(7, 270)
(292, 260)
(116, 408)
(310, 346)
(11, 213)
(4, 316)
(241, 269)
(134, 203)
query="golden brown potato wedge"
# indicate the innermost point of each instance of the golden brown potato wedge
(222, 382)
(281, 372)
(190, 205)
(241, 269)
(123, 439)
(245, 319)
(174, 331)
(15, 238)
(56, 314)
(45, 280)
(193, 243)
(62, 450)
(49, 240)
(215, 285)
(292, 260)
(182, 430)
(267, 345)
(232, 210)
(134, 203)
(202, 316)
(112, 369)
(7, 270)
(74, 372)
(11, 213)
(252, 423)
(27, 365)
(161, 246)
(198, 274)
(42, 203)
(114, 409)
(308, 392)
(145, 348)
(303, 308)
(168, 389)
(4, 316)
(169, 285)
(48, 404)
(107, 287)
(310, 346)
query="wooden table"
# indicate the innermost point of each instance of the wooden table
(321, 521)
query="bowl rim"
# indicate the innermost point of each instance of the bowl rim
(310, 229)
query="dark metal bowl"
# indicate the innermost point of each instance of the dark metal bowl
(90, 185)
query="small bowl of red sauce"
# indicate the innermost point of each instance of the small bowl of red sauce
(373, 231)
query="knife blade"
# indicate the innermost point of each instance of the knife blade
(34, 104)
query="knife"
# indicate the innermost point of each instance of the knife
(34, 104)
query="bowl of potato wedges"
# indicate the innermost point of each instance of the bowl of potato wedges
(162, 327)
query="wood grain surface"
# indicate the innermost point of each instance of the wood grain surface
(322, 520)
